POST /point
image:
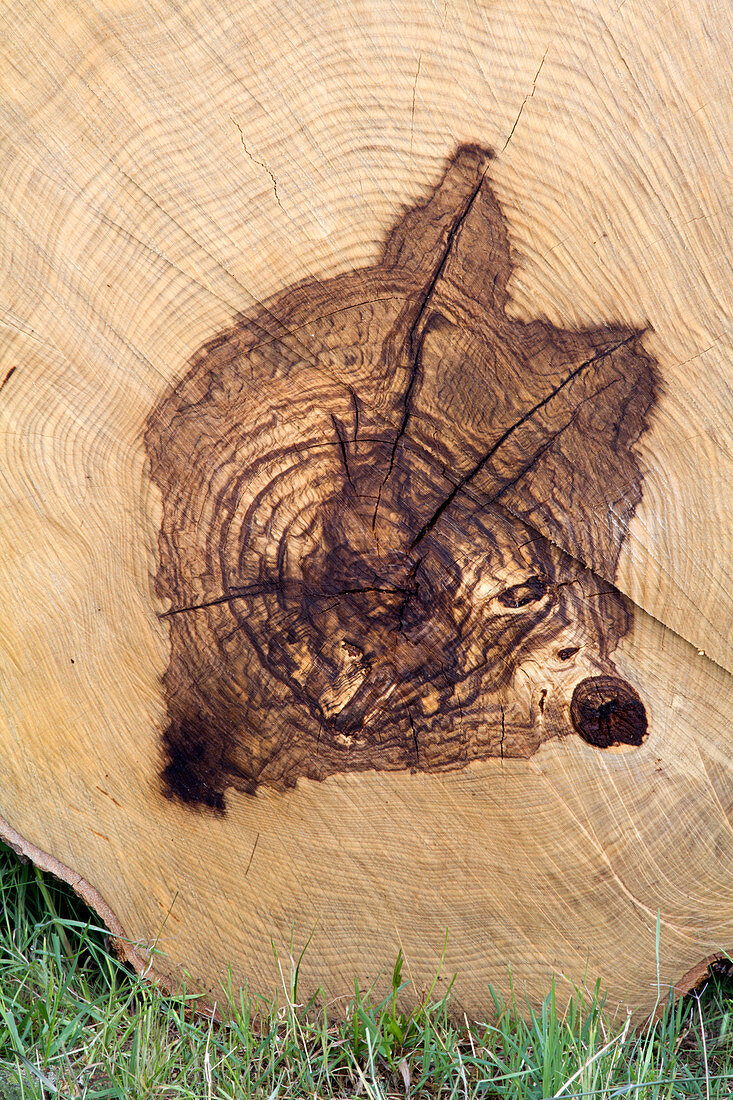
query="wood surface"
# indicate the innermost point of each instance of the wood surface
(366, 454)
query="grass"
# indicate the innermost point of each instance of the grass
(75, 1023)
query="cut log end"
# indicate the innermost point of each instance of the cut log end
(386, 613)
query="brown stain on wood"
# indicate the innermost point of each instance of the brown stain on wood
(378, 491)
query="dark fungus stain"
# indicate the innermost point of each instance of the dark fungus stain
(389, 511)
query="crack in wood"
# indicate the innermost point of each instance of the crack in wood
(480, 465)
(412, 344)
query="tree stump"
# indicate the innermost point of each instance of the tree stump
(366, 464)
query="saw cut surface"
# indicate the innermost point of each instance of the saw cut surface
(365, 467)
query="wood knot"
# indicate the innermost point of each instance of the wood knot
(607, 711)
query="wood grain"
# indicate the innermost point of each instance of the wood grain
(170, 172)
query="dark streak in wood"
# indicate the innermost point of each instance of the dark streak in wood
(252, 854)
(7, 377)
(392, 519)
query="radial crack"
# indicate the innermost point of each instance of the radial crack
(430, 523)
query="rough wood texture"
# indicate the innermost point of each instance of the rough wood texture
(402, 606)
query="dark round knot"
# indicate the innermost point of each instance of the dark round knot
(607, 711)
